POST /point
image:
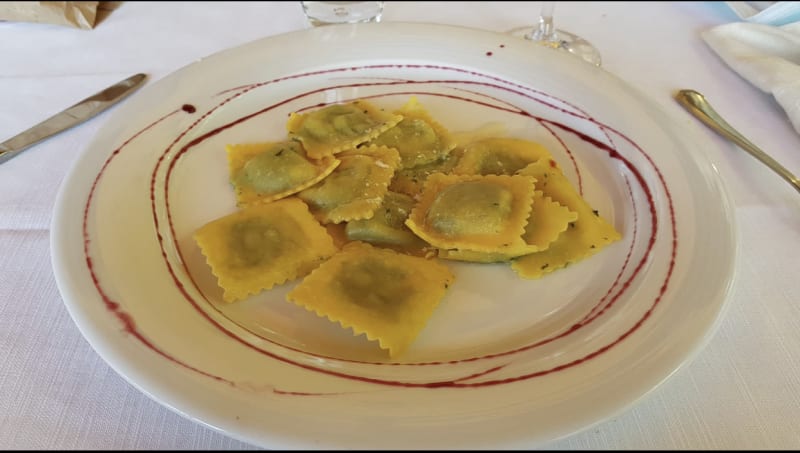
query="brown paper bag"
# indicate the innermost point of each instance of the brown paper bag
(74, 14)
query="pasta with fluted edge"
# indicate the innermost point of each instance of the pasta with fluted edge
(362, 210)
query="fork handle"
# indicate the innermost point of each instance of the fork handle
(698, 106)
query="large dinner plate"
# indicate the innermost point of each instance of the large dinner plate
(503, 362)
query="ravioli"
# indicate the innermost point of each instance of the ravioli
(417, 137)
(355, 188)
(385, 295)
(364, 206)
(263, 172)
(584, 237)
(484, 213)
(547, 221)
(263, 245)
(387, 226)
(410, 181)
(499, 156)
(339, 127)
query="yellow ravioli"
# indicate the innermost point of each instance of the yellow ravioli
(411, 180)
(262, 246)
(472, 256)
(547, 221)
(417, 137)
(387, 296)
(387, 226)
(361, 204)
(355, 188)
(339, 127)
(584, 237)
(263, 172)
(499, 156)
(484, 213)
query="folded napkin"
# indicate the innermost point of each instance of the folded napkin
(773, 13)
(767, 56)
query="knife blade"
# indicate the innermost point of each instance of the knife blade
(78, 113)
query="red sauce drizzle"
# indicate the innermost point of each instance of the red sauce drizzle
(128, 323)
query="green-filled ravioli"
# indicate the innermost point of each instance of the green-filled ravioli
(387, 296)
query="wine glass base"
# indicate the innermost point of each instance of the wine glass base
(563, 40)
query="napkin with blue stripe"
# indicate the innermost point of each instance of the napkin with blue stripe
(764, 48)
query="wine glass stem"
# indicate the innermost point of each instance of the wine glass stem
(546, 31)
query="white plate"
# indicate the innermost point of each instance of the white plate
(504, 362)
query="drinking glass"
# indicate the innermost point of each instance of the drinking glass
(547, 34)
(325, 13)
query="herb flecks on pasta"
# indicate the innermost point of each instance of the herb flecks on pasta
(355, 188)
(474, 212)
(547, 221)
(584, 237)
(411, 180)
(339, 127)
(263, 172)
(367, 211)
(387, 226)
(499, 156)
(417, 137)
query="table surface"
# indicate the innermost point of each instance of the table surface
(742, 391)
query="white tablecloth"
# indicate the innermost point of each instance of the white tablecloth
(741, 392)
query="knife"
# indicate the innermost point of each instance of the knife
(70, 117)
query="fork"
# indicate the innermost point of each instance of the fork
(698, 106)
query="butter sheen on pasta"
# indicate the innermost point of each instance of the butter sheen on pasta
(362, 208)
